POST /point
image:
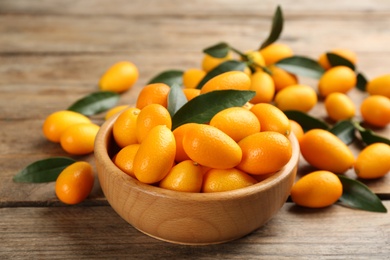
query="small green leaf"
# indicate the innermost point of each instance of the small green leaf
(95, 103)
(307, 122)
(337, 60)
(45, 170)
(203, 107)
(176, 99)
(358, 196)
(168, 77)
(276, 29)
(369, 137)
(345, 130)
(226, 66)
(302, 66)
(219, 50)
(361, 82)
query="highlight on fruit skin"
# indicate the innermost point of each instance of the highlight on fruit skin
(325, 151)
(120, 77)
(317, 189)
(337, 79)
(373, 161)
(75, 183)
(379, 86)
(56, 123)
(375, 110)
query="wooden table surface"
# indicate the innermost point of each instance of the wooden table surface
(52, 52)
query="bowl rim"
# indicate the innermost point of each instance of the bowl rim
(105, 136)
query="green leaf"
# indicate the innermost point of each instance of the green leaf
(95, 103)
(276, 29)
(226, 66)
(203, 107)
(302, 66)
(369, 137)
(361, 82)
(345, 130)
(168, 77)
(358, 196)
(219, 50)
(45, 170)
(337, 60)
(176, 99)
(307, 122)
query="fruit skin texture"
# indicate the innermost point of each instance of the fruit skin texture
(345, 53)
(217, 180)
(275, 52)
(149, 117)
(264, 153)
(156, 93)
(191, 93)
(155, 156)
(79, 139)
(296, 129)
(317, 190)
(209, 146)
(210, 62)
(119, 77)
(282, 78)
(373, 161)
(236, 122)
(264, 86)
(186, 176)
(255, 57)
(228, 80)
(379, 86)
(125, 126)
(192, 77)
(75, 183)
(337, 79)
(375, 110)
(339, 106)
(271, 118)
(296, 97)
(56, 123)
(179, 133)
(326, 151)
(124, 159)
(115, 110)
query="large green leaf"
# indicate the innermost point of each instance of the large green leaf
(219, 50)
(203, 107)
(369, 137)
(345, 130)
(176, 99)
(307, 122)
(168, 77)
(302, 66)
(358, 196)
(337, 60)
(95, 103)
(361, 82)
(276, 28)
(226, 66)
(45, 170)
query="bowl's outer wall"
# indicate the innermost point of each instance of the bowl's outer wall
(187, 221)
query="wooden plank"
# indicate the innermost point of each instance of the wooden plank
(141, 32)
(155, 7)
(99, 233)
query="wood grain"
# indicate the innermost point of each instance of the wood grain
(99, 233)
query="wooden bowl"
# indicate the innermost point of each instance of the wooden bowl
(190, 218)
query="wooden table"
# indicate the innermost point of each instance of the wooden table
(53, 53)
